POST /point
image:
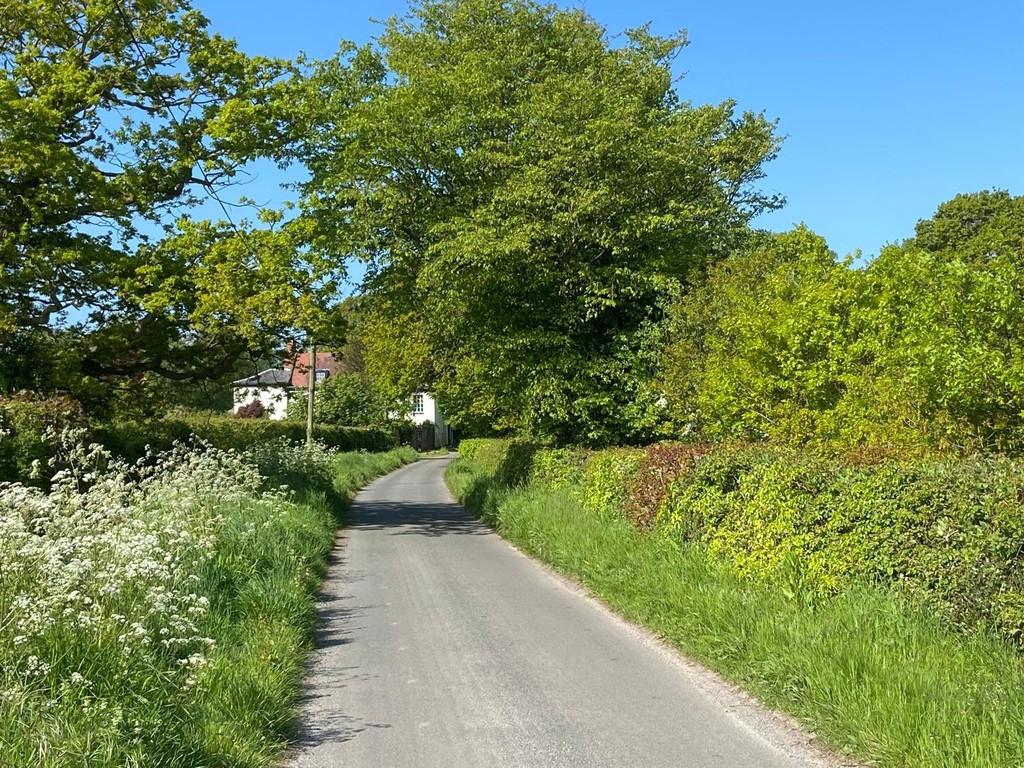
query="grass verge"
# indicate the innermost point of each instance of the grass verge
(872, 676)
(159, 616)
(268, 566)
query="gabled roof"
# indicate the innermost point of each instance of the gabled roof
(272, 377)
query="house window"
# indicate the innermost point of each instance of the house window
(322, 373)
(417, 404)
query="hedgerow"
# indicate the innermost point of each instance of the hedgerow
(130, 439)
(559, 467)
(31, 428)
(29, 434)
(652, 480)
(944, 532)
(873, 675)
(607, 477)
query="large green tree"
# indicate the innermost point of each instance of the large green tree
(528, 193)
(116, 118)
(759, 348)
(943, 323)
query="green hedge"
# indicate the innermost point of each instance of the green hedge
(873, 676)
(945, 532)
(29, 434)
(130, 439)
(948, 532)
(602, 477)
(30, 429)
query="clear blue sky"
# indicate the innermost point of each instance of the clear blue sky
(888, 108)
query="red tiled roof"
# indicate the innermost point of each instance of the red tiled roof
(325, 361)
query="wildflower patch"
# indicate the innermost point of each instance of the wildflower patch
(157, 612)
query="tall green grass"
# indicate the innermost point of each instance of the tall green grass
(874, 677)
(269, 564)
(92, 696)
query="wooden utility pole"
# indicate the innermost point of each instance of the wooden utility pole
(311, 391)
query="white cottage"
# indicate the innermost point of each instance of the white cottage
(425, 413)
(270, 388)
(274, 386)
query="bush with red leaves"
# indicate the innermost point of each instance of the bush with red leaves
(253, 410)
(662, 463)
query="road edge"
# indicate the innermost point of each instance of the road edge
(782, 732)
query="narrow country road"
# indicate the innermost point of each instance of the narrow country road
(442, 646)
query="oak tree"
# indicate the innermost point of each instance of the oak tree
(117, 118)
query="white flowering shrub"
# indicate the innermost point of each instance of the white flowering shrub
(105, 585)
(283, 459)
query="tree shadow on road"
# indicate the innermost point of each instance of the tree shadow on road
(408, 518)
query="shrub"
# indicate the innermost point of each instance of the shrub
(558, 467)
(945, 532)
(919, 348)
(606, 477)
(470, 448)
(509, 460)
(252, 410)
(512, 462)
(129, 439)
(30, 428)
(649, 484)
(344, 398)
(873, 677)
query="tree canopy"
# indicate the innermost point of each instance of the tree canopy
(117, 117)
(527, 195)
(919, 348)
(556, 240)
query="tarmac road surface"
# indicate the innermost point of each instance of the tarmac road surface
(441, 646)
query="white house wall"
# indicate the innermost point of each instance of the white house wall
(429, 410)
(274, 400)
(434, 415)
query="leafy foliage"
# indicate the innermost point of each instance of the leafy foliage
(30, 434)
(119, 117)
(945, 533)
(132, 439)
(754, 348)
(652, 480)
(253, 410)
(607, 477)
(920, 348)
(943, 318)
(872, 676)
(345, 399)
(529, 197)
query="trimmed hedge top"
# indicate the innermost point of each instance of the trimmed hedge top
(30, 429)
(130, 439)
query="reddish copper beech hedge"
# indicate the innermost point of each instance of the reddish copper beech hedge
(661, 464)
